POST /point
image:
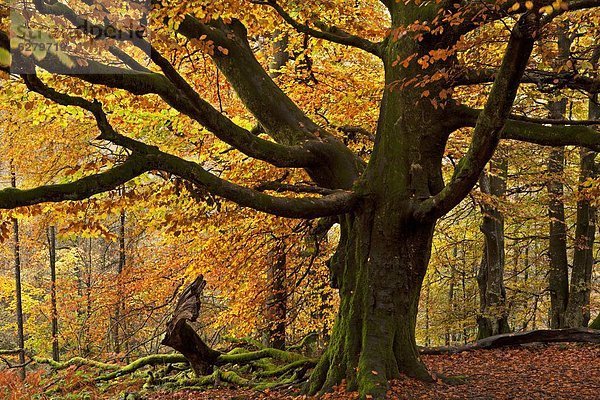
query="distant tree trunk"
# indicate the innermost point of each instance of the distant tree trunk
(427, 317)
(88, 299)
(119, 324)
(277, 299)
(559, 266)
(451, 304)
(276, 307)
(578, 308)
(19, 301)
(578, 311)
(493, 319)
(53, 309)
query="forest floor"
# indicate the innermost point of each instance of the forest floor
(557, 371)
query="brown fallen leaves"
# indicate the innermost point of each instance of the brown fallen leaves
(558, 371)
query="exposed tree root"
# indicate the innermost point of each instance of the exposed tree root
(155, 359)
(582, 335)
(306, 340)
(76, 361)
(11, 352)
(261, 368)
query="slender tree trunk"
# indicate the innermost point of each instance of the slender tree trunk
(19, 301)
(492, 293)
(53, 308)
(276, 307)
(119, 319)
(427, 311)
(277, 299)
(559, 266)
(88, 299)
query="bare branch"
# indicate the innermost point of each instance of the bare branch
(330, 33)
(545, 80)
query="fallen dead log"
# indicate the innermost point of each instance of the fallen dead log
(182, 337)
(580, 335)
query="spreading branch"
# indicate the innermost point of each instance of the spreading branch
(543, 132)
(80, 189)
(489, 123)
(146, 157)
(544, 80)
(141, 83)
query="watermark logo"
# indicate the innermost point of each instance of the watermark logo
(85, 37)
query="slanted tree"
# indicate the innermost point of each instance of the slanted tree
(387, 207)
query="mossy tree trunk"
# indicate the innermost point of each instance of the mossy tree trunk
(379, 271)
(384, 249)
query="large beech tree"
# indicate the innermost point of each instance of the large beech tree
(387, 207)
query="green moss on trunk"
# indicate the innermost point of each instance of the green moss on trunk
(373, 338)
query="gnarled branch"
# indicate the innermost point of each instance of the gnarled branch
(566, 134)
(489, 122)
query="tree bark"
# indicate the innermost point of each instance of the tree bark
(596, 323)
(578, 308)
(18, 291)
(182, 337)
(559, 265)
(379, 279)
(493, 318)
(277, 299)
(53, 308)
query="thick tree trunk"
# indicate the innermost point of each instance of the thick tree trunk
(559, 266)
(493, 319)
(383, 252)
(379, 276)
(53, 309)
